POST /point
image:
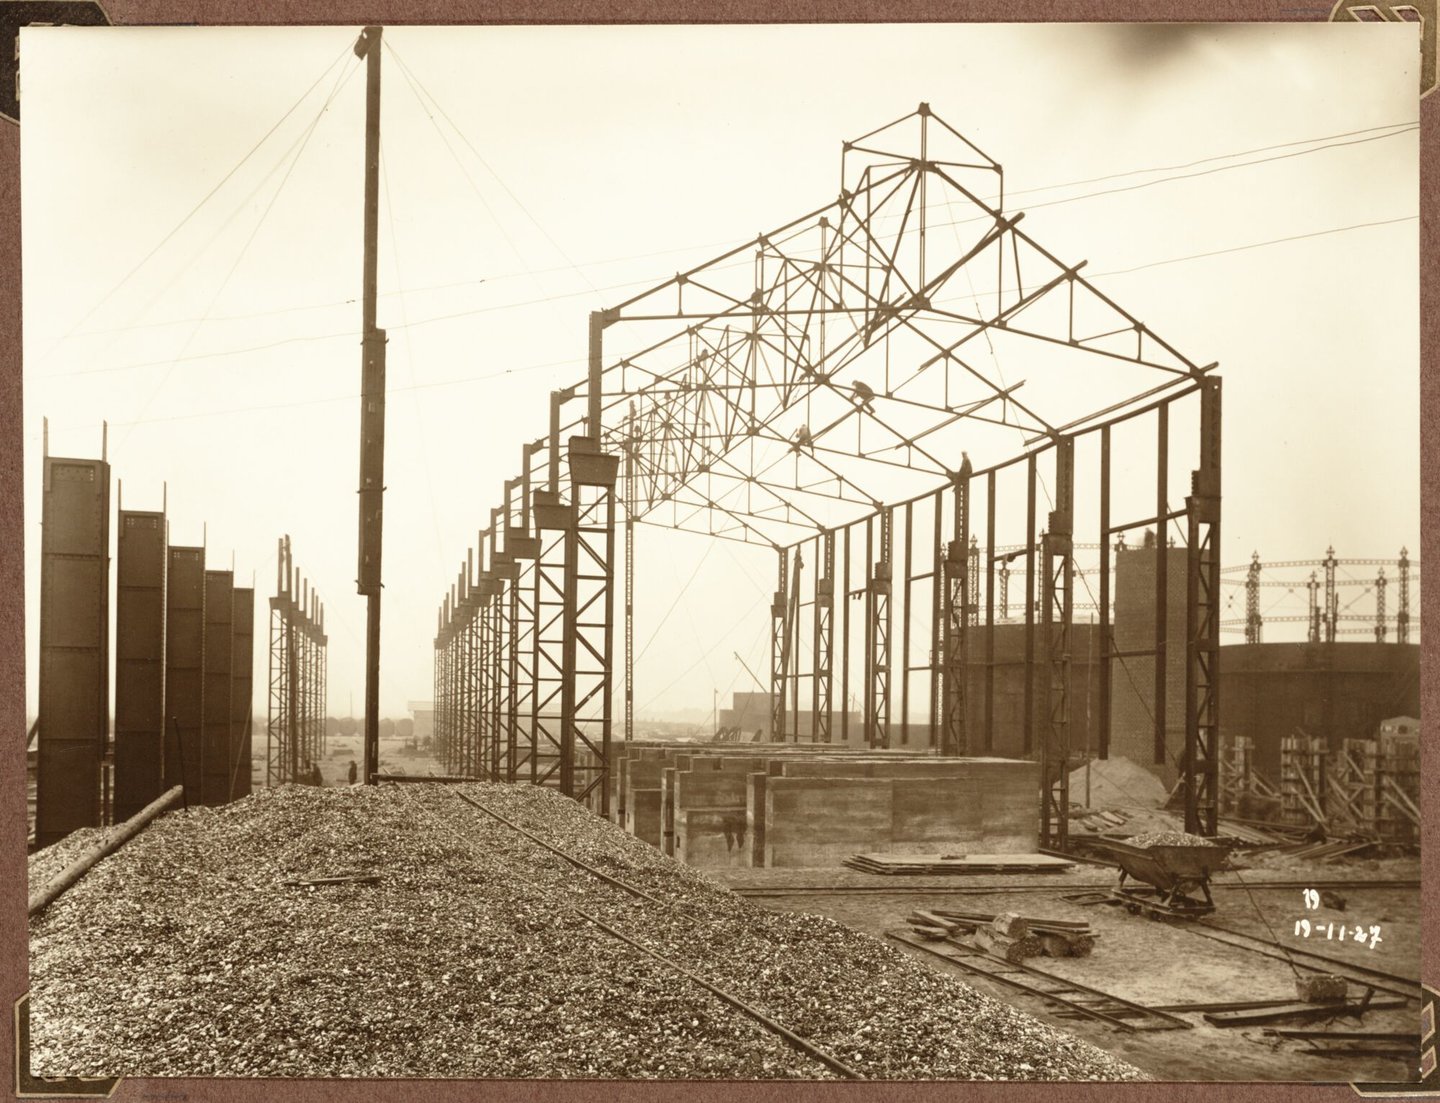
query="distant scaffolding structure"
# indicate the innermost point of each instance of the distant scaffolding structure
(295, 733)
(1341, 597)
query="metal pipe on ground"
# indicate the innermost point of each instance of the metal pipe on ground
(117, 838)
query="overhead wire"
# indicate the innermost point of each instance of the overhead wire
(1406, 128)
(207, 196)
(260, 222)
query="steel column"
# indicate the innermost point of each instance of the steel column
(1058, 613)
(139, 662)
(1203, 603)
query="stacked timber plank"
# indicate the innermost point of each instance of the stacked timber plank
(916, 864)
(1007, 935)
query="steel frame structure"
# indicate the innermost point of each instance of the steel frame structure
(298, 668)
(1326, 618)
(797, 390)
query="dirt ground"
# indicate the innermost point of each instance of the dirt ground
(1157, 963)
(341, 750)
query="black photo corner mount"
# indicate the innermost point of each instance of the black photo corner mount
(28, 1086)
(15, 14)
(1428, 1082)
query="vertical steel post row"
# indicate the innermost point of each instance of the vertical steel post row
(1058, 614)
(877, 657)
(74, 646)
(215, 741)
(824, 638)
(139, 662)
(779, 637)
(954, 732)
(989, 613)
(241, 688)
(185, 672)
(1162, 583)
(1106, 646)
(1203, 604)
(590, 617)
(1029, 709)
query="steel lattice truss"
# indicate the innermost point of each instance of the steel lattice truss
(895, 350)
(852, 357)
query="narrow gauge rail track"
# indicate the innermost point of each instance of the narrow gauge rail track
(1408, 987)
(761, 891)
(796, 1041)
(1078, 999)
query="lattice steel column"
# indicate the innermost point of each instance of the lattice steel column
(553, 520)
(825, 639)
(1203, 604)
(1252, 600)
(1057, 550)
(953, 733)
(277, 725)
(522, 670)
(1332, 597)
(1380, 582)
(1402, 614)
(589, 620)
(877, 631)
(779, 647)
(499, 631)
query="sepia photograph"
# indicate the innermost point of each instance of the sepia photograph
(729, 553)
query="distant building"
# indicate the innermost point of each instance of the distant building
(423, 713)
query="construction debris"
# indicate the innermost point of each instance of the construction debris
(1013, 937)
(1169, 838)
(1321, 987)
(178, 956)
(957, 863)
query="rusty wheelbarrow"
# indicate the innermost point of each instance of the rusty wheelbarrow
(1172, 876)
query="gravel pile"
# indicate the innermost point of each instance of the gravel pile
(1169, 838)
(184, 954)
(46, 864)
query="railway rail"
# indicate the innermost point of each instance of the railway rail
(1075, 998)
(762, 891)
(797, 1041)
(1390, 983)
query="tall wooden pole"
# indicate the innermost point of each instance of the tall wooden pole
(372, 408)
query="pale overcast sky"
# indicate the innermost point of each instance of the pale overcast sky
(567, 168)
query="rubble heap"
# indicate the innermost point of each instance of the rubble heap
(444, 944)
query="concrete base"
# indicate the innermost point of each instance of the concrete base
(713, 839)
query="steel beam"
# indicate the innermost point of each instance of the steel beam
(184, 669)
(215, 744)
(139, 662)
(1203, 604)
(74, 645)
(242, 677)
(1058, 552)
(589, 622)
